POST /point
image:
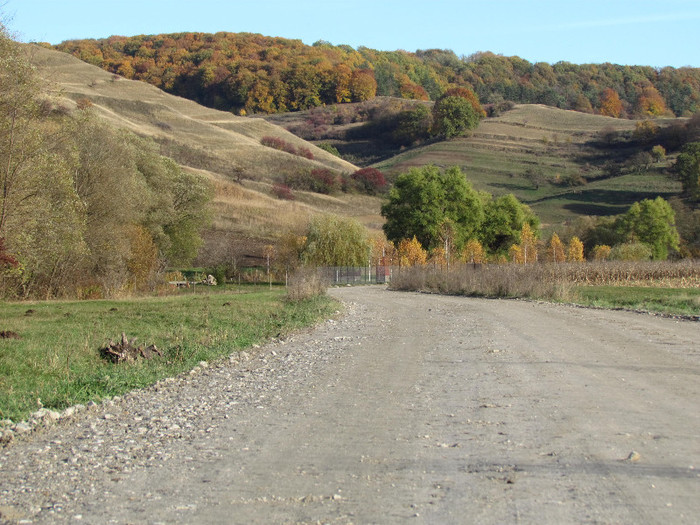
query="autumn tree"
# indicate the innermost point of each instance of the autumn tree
(610, 103)
(555, 249)
(473, 252)
(410, 252)
(601, 252)
(574, 252)
(528, 243)
(650, 103)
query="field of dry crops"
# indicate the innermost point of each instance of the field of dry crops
(545, 281)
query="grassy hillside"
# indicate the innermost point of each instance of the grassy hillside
(224, 147)
(534, 151)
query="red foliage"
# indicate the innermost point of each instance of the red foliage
(283, 145)
(282, 191)
(5, 258)
(371, 180)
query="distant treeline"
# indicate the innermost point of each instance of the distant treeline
(251, 73)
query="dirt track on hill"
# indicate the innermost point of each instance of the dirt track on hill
(410, 408)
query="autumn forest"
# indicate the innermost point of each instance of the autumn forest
(250, 73)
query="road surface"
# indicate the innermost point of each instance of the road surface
(410, 408)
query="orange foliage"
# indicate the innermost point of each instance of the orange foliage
(610, 103)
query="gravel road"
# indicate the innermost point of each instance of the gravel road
(408, 408)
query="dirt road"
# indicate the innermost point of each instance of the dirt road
(410, 408)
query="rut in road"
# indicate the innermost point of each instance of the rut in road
(410, 407)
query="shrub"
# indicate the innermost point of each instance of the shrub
(330, 148)
(369, 180)
(305, 283)
(283, 145)
(282, 191)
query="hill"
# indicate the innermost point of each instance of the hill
(259, 74)
(555, 160)
(562, 163)
(224, 147)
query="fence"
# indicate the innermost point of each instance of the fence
(357, 274)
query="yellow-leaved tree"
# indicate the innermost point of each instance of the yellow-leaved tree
(575, 251)
(473, 252)
(411, 253)
(555, 249)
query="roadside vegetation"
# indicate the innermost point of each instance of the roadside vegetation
(50, 351)
(86, 210)
(665, 287)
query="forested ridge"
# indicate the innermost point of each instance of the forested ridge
(251, 73)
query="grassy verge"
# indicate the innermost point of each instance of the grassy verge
(57, 356)
(676, 301)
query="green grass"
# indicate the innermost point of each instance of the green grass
(676, 301)
(57, 358)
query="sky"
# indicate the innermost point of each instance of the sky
(631, 32)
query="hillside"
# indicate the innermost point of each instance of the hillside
(562, 163)
(224, 147)
(555, 160)
(261, 74)
(551, 159)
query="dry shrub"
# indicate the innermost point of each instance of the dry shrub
(306, 283)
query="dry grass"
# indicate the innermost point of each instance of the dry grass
(545, 281)
(306, 283)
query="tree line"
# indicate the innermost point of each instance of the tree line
(251, 73)
(86, 210)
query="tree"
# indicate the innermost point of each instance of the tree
(651, 103)
(411, 253)
(454, 116)
(687, 167)
(335, 241)
(424, 199)
(651, 222)
(601, 252)
(610, 103)
(528, 244)
(473, 252)
(555, 249)
(363, 85)
(504, 218)
(574, 253)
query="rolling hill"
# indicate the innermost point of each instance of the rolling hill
(550, 158)
(224, 147)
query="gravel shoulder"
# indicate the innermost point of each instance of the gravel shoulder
(413, 407)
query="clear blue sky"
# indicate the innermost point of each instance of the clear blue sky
(635, 32)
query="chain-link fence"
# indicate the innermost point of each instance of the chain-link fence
(357, 274)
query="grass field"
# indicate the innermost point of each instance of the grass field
(57, 357)
(675, 301)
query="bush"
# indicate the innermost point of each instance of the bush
(282, 191)
(305, 283)
(369, 180)
(283, 145)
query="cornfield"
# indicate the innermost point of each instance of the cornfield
(545, 281)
